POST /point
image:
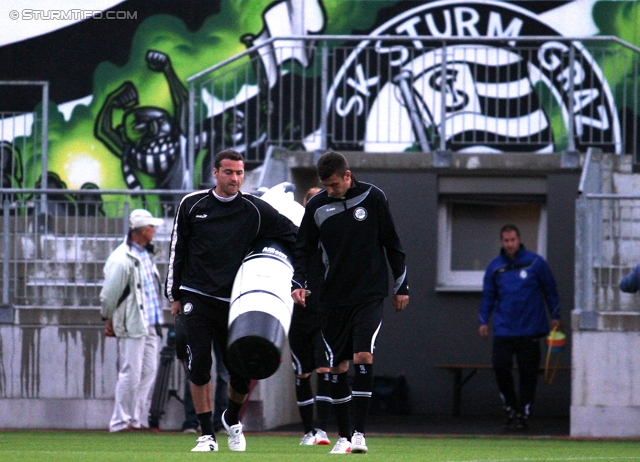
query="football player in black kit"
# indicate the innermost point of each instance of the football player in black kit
(307, 355)
(212, 231)
(350, 222)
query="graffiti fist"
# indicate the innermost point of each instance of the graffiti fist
(125, 96)
(157, 61)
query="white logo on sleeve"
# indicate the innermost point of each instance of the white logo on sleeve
(360, 214)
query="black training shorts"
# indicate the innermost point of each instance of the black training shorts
(351, 329)
(305, 341)
(206, 320)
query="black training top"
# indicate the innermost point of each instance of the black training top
(356, 236)
(210, 238)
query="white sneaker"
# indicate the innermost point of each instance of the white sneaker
(358, 443)
(206, 443)
(237, 442)
(321, 437)
(309, 439)
(343, 446)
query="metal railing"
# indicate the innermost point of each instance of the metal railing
(398, 93)
(385, 93)
(607, 243)
(54, 257)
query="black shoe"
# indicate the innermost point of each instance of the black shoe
(509, 417)
(522, 422)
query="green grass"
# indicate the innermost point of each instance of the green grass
(59, 446)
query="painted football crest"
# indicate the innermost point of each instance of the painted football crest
(471, 95)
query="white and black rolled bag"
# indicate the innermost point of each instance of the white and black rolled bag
(260, 310)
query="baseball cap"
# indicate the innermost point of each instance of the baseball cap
(140, 218)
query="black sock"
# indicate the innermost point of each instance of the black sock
(231, 417)
(362, 389)
(323, 400)
(341, 398)
(304, 398)
(206, 423)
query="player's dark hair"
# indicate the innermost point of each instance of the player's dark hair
(230, 154)
(331, 163)
(509, 227)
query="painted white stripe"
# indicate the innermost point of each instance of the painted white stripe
(164, 165)
(526, 125)
(514, 89)
(151, 168)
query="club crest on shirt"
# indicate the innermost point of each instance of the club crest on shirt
(360, 213)
(523, 274)
(188, 307)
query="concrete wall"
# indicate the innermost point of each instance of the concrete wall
(606, 384)
(59, 377)
(605, 390)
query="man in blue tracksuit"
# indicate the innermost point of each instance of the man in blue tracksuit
(517, 286)
(631, 282)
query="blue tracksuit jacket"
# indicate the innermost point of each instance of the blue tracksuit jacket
(515, 292)
(631, 282)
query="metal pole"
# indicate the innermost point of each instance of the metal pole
(6, 252)
(571, 123)
(191, 142)
(443, 98)
(45, 145)
(324, 85)
(126, 207)
(442, 158)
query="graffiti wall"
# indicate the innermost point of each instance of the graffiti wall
(118, 82)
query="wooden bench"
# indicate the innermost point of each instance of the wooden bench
(460, 379)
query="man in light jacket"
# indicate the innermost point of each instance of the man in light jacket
(132, 309)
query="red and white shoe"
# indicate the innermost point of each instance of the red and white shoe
(343, 446)
(321, 438)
